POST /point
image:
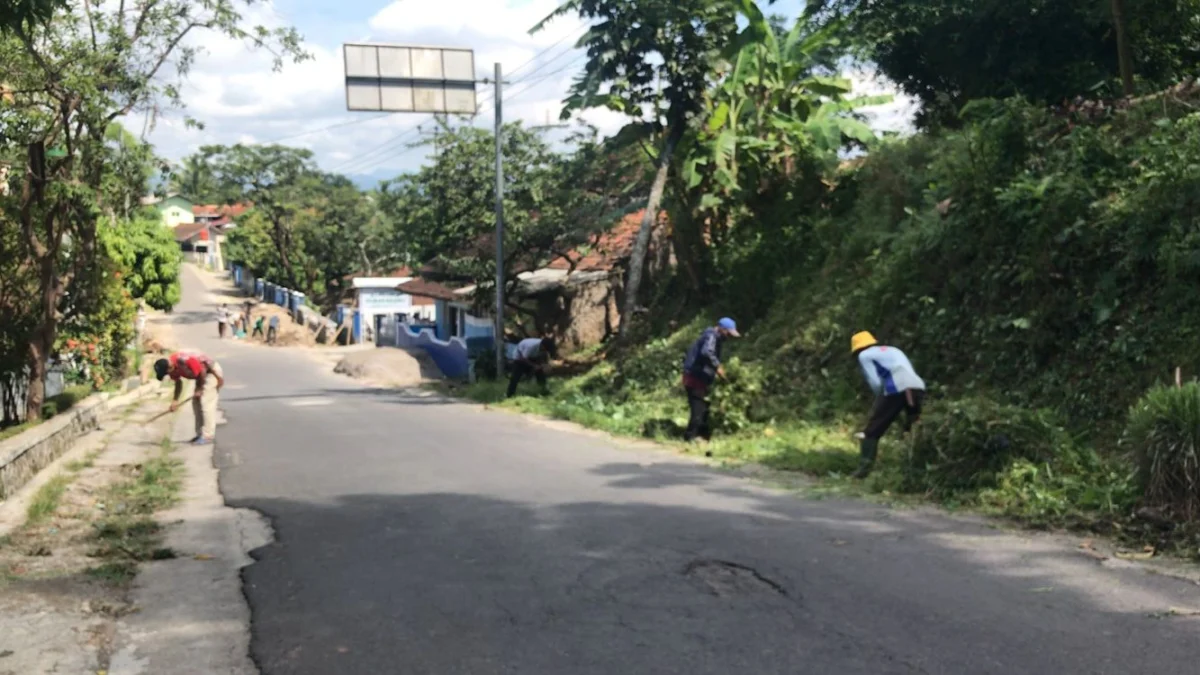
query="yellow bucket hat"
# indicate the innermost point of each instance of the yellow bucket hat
(862, 340)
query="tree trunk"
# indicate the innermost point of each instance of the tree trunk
(637, 260)
(41, 344)
(282, 243)
(1124, 58)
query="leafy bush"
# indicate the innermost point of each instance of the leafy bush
(734, 398)
(1079, 486)
(967, 444)
(1164, 432)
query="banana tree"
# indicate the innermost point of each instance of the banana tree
(778, 102)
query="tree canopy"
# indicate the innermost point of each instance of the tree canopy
(948, 52)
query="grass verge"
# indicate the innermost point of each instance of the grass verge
(128, 534)
(45, 501)
(1073, 488)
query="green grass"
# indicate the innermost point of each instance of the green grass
(114, 573)
(129, 534)
(46, 500)
(1074, 488)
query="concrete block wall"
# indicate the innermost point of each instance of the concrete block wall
(27, 453)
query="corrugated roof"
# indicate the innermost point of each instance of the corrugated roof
(185, 231)
(427, 289)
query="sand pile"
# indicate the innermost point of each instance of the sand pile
(388, 367)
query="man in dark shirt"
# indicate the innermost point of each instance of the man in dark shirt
(701, 367)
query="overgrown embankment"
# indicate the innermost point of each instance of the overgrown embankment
(1038, 267)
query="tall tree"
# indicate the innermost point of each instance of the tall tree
(71, 77)
(18, 14)
(651, 60)
(948, 52)
(196, 180)
(780, 105)
(1124, 58)
(273, 178)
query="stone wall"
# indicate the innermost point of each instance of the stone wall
(27, 453)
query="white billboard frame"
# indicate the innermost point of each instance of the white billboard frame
(386, 77)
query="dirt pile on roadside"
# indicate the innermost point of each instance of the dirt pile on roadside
(388, 367)
(291, 334)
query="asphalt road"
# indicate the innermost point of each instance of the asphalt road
(415, 535)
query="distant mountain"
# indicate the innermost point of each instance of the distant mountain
(371, 180)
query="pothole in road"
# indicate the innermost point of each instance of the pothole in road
(723, 578)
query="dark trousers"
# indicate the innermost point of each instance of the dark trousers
(257, 331)
(271, 332)
(520, 370)
(698, 422)
(888, 408)
(221, 328)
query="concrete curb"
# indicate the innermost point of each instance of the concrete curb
(27, 453)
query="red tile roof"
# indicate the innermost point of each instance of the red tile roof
(606, 250)
(220, 210)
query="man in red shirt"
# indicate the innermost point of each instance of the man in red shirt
(197, 367)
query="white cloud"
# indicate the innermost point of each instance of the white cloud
(896, 116)
(233, 90)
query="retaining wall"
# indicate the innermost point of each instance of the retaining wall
(27, 453)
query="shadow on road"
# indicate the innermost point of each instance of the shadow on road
(459, 583)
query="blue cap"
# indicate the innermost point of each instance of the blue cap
(729, 325)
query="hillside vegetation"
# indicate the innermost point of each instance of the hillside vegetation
(1039, 268)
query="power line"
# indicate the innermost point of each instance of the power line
(491, 95)
(336, 125)
(543, 78)
(360, 162)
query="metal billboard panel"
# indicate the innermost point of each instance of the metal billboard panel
(361, 61)
(409, 78)
(395, 62)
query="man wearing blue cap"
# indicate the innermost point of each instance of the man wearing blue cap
(701, 367)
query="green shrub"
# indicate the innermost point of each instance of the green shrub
(49, 409)
(967, 444)
(1079, 486)
(1163, 431)
(735, 397)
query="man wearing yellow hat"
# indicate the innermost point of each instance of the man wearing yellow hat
(897, 389)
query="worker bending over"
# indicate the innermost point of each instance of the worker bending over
(199, 368)
(897, 387)
(533, 356)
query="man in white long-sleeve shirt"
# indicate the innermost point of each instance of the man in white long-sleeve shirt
(897, 387)
(533, 355)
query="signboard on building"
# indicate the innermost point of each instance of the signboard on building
(383, 301)
(399, 78)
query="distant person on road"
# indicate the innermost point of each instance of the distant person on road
(272, 329)
(533, 355)
(701, 368)
(222, 320)
(897, 387)
(206, 373)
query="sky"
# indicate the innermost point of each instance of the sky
(235, 93)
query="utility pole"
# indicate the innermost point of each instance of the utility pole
(499, 231)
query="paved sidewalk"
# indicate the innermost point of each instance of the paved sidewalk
(55, 615)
